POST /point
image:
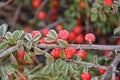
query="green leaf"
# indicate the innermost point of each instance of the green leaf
(94, 10)
(49, 59)
(52, 33)
(46, 69)
(107, 9)
(117, 30)
(65, 68)
(72, 70)
(3, 29)
(94, 16)
(16, 34)
(13, 59)
(21, 34)
(102, 17)
(38, 51)
(3, 46)
(28, 36)
(49, 39)
(27, 58)
(3, 70)
(35, 38)
(62, 43)
(8, 35)
(29, 45)
(10, 69)
(58, 63)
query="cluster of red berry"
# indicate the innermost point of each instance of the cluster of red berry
(42, 14)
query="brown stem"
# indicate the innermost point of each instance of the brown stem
(113, 65)
(6, 3)
(77, 46)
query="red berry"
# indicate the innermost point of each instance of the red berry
(71, 37)
(27, 29)
(35, 4)
(69, 52)
(53, 11)
(41, 15)
(86, 76)
(79, 39)
(82, 5)
(45, 31)
(21, 69)
(53, 17)
(55, 3)
(90, 38)
(77, 29)
(118, 42)
(10, 76)
(63, 34)
(34, 33)
(56, 52)
(102, 71)
(21, 54)
(108, 2)
(42, 41)
(116, 78)
(82, 53)
(79, 21)
(59, 27)
(23, 78)
(106, 52)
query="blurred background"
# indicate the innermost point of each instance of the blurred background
(77, 16)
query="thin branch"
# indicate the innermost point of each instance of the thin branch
(77, 46)
(5, 4)
(16, 15)
(8, 51)
(82, 46)
(113, 65)
(87, 63)
(40, 7)
(52, 25)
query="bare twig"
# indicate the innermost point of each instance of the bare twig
(82, 46)
(113, 65)
(8, 51)
(77, 46)
(5, 4)
(40, 7)
(16, 15)
(52, 25)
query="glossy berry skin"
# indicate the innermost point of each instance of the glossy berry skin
(82, 54)
(59, 27)
(63, 34)
(77, 29)
(116, 78)
(45, 31)
(42, 41)
(21, 54)
(86, 76)
(55, 3)
(34, 33)
(118, 42)
(56, 52)
(90, 38)
(102, 71)
(69, 52)
(79, 39)
(108, 2)
(41, 15)
(71, 37)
